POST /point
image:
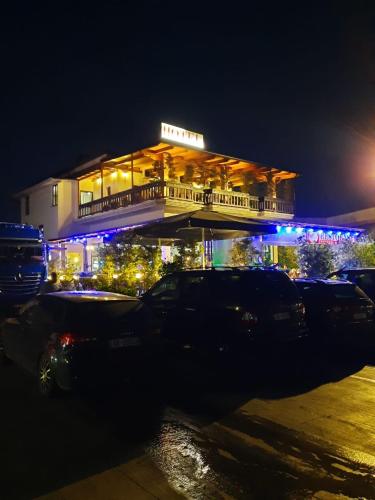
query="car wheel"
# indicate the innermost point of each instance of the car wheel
(46, 378)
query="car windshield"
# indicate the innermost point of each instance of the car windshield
(20, 251)
(345, 291)
(257, 284)
(91, 316)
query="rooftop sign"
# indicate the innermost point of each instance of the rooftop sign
(177, 134)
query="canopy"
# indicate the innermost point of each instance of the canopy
(204, 224)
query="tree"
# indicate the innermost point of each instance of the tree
(355, 253)
(185, 255)
(243, 253)
(315, 260)
(127, 266)
(288, 257)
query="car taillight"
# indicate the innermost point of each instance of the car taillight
(249, 319)
(69, 339)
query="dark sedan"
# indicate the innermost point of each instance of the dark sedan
(69, 337)
(335, 307)
(233, 310)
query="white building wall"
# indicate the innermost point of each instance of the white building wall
(41, 210)
(53, 218)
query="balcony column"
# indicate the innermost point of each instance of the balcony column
(272, 181)
(101, 181)
(132, 179)
(85, 259)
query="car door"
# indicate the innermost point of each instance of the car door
(194, 311)
(163, 297)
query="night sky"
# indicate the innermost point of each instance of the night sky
(291, 86)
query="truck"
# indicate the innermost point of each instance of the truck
(23, 263)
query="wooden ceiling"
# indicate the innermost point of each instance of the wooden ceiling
(182, 156)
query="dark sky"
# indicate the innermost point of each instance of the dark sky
(291, 85)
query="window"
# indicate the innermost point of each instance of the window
(344, 291)
(195, 288)
(27, 205)
(54, 195)
(167, 289)
(85, 197)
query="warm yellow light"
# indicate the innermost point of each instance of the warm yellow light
(138, 276)
(76, 277)
(114, 175)
(62, 277)
(76, 260)
(49, 278)
(115, 276)
(99, 180)
(94, 276)
(125, 175)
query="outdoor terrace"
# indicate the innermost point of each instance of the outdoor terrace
(185, 178)
(181, 192)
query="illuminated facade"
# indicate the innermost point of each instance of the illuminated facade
(79, 207)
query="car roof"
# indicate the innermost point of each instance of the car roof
(356, 269)
(318, 281)
(212, 271)
(90, 296)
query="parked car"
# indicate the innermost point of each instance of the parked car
(335, 308)
(227, 309)
(66, 338)
(363, 277)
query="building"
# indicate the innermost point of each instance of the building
(364, 218)
(79, 207)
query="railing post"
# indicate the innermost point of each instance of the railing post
(261, 204)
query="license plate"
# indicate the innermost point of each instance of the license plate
(359, 316)
(128, 342)
(281, 316)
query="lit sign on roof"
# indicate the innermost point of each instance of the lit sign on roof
(177, 134)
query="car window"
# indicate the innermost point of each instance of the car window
(195, 288)
(167, 288)
(30, 313)
(53, 309)
(339, 276)
(346, 291)
(102, 316)
(363, 280)
(255, 285)
(309, 291)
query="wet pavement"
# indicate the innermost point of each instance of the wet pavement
(294, 426)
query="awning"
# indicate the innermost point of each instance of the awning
(214, 225)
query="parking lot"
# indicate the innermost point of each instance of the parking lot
(297, 425)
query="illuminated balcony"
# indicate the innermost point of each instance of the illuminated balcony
(180, 194)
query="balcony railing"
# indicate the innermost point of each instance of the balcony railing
(185, 193)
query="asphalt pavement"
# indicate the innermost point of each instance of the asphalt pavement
(295, 425)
